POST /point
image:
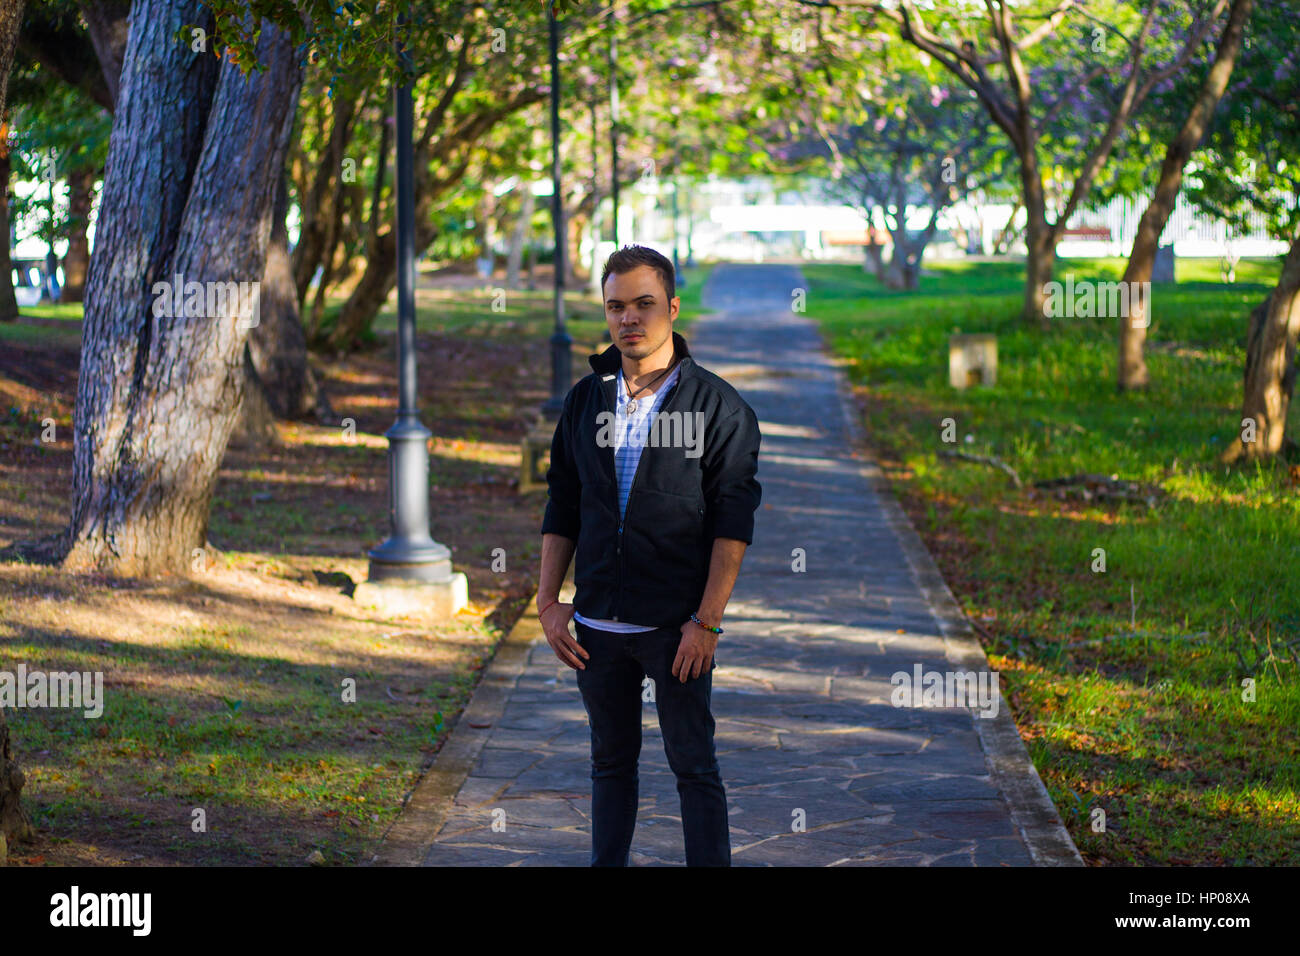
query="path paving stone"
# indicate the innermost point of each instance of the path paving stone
(806, 731)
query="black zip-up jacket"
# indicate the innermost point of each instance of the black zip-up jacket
(651, 567)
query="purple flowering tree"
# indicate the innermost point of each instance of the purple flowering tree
(1064, 86)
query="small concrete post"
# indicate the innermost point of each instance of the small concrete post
(972, 360)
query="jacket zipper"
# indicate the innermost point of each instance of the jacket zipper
(631, 491)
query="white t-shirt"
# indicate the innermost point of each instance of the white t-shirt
(630, 436)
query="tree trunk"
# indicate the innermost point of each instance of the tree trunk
(368, 295)
(81, 193)
(13, 821)
(194, 157)
(431, 152)
(514, 258)
(1269, 380)
(1040, 261)
(1002, 242)
(575, 224)
(8, 302)
(1132, 370)
(277, 345)
(894, 272)
(873, 261)
(107, 23)
(874, 251)
(323, 205)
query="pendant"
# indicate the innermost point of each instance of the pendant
(631, 406)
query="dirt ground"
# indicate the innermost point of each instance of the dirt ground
(222, 686)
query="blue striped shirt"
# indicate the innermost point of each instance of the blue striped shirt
(631, 432)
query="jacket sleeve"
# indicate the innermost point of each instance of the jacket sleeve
(731, 493)
(564, 490)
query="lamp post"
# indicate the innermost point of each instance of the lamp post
(677, 158)
(51, 259)
(561, 342)
(410, 553)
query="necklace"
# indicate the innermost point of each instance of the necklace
(631, 395)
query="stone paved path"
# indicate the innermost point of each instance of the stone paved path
(801, 695)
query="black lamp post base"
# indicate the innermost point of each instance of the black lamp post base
(428, 565)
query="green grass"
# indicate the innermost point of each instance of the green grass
(277, 766)
(66, 311)
(1151, 730)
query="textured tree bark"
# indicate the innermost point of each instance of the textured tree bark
(194, 157)
(8, 302)
(1269, 380)
(14, 824)
(1132, 369)
(81, 193)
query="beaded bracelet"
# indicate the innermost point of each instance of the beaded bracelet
(715, 630)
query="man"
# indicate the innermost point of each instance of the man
(652, 483)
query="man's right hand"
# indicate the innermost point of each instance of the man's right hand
(555, 624)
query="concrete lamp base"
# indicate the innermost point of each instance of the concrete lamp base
(398, 597)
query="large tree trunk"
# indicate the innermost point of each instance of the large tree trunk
(1132, 369)
(1269, 380)
(194, 157)
(8, 302)
(81, 193)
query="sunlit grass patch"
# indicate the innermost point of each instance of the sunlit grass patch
(1193, 599)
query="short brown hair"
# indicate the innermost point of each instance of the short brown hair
(630, 257)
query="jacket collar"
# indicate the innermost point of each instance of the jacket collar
(611, 360)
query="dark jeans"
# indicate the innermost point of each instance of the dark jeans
(611, 692)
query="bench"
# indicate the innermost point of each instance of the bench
(1099, 233)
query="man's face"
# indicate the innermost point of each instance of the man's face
(638, 311)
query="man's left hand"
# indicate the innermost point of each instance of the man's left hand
(695, 652)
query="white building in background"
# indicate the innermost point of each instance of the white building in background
(750, 220)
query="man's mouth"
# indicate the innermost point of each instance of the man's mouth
(632, 335)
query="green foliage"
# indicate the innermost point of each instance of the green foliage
(1250, 162)
(55, 131)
